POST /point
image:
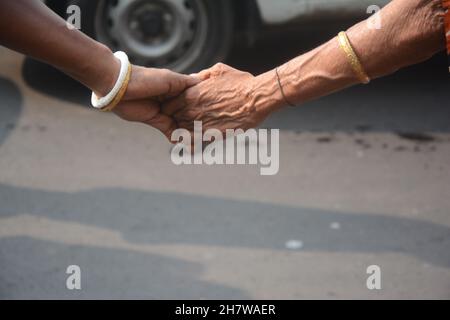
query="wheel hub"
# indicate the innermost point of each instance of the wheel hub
(153, 32)
(150, 23)
(158, 33)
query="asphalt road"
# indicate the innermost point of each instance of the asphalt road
(364, 180)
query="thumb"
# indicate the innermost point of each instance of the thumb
(203, 75)
(195, 78)
(192, 79)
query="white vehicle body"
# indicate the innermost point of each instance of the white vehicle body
(191, 35)
(281, 11)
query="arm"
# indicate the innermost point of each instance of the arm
(28, 26)
(412, 31)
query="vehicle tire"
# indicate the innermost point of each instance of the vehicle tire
(181, 35)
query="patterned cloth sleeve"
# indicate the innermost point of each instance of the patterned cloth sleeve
(446, 4)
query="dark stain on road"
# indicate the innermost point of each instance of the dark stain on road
(325, 139)
(364, 144)
(400, 149)
(363, 128)
(417, 137)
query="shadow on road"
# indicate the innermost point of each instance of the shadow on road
(10, 107)
(166, 218)
(48, 80)
(106, 274)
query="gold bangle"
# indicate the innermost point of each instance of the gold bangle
(357, 67)
(120, 94)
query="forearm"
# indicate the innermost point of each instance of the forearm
(411, 32)
(28, 26)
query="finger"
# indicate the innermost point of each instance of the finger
(137, 110)
(192, 80)
(147, 112)
(172, 106)
(164, 124)
(177, 83)
(204, 75)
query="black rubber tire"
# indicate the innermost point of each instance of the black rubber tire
(219, 34)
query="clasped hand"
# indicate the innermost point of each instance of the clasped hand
(221, 97)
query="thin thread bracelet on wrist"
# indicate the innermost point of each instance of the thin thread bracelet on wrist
(108, 102)
(281, 89)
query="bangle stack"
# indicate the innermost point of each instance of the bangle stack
(112, 99)
(353, 59)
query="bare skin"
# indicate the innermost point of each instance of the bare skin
(412, 31)
(44, 35)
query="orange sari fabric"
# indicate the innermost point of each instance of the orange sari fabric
(446, 4)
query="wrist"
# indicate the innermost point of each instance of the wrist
(105, 73)
(267, 96)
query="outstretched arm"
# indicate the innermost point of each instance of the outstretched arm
(411, 31)
(30, 27)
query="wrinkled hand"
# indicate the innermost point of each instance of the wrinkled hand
(225, 99)
(147, 89)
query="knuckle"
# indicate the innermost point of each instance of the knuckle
(165, 72)
(219, 67)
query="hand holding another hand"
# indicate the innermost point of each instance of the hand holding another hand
(221, 97)
(147, 89)
(225, 99)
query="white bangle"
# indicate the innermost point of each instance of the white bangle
(100, 103)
